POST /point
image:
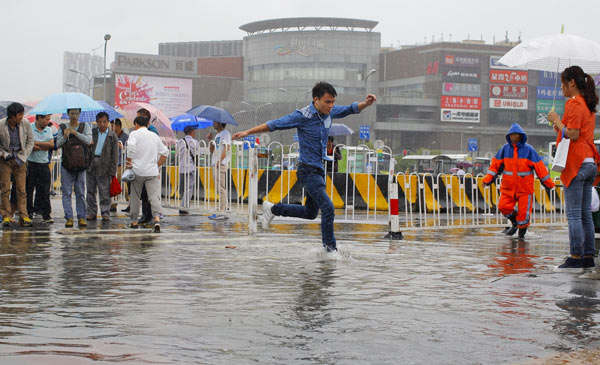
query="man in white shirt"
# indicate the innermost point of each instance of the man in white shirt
(220, 161)
(187, 152)
(145, 155)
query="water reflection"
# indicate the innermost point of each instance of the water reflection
(578, 328)
(312, 303)
(514, 258)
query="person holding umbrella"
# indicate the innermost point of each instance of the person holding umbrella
(220, 162)
(16, 143)
(187, 152)
(580, 171)
(312, 123)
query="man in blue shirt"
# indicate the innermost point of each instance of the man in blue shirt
(312, 123)
(38, 170)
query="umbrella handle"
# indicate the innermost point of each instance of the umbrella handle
(551, 110)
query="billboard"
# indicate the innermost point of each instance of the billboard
(460, 115)
(460, 89)
(549, 93)
(508, 77)
(504, 116)
(542, 107)
(171, 95)
(508, 104)
(549, 78)
(508, 91)
(460, 102)
(461, 60)
(459, 74)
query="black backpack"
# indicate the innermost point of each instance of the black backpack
(75, 153)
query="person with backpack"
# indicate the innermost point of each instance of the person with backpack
(105, 148)
(75, 139)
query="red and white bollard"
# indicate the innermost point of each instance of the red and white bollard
(394, 233)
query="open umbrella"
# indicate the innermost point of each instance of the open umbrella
(157, 119)
(463, 164)
(60, 102)
(339, 129)
(179, 122)
(90, 115)
(213, 113)
(554, 53)
(5, 104)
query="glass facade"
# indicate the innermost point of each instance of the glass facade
(307, 71)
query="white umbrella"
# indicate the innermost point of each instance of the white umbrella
(554, 53)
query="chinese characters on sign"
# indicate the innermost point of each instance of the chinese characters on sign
(508, 91)
(460, 102)
(461, 60)
(459, 89)
(508, 77)
(460, 115)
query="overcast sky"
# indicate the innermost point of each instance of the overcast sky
(35, 34)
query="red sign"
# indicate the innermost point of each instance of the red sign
(460, 102)
(508, 91)
(432, 68)
(508, 77)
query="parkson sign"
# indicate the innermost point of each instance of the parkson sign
(154, 63)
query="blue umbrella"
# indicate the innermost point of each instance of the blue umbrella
(90, 115)
(213, 113)
(5, 104)
(179, 122)
(60, 102)
(339, 129)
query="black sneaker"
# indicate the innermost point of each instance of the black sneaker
(126, 210)
(331, 248)
(509, 231)
(588, 263)
(47, 220)
(522, 232)
(571, 265)
(183, 212)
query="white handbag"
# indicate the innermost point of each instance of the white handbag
(128, 175)
(560, 158)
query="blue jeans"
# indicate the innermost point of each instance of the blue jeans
(68, 180)
(313, 180)
(578, 197)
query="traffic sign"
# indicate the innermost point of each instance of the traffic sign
(472, 145)
(364, 132)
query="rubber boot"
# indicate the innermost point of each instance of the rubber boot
(522, 232)
(509, 231)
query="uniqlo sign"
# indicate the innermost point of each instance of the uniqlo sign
(508, 77)
(460, 102)
(507, 104)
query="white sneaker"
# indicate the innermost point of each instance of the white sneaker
(267, 215)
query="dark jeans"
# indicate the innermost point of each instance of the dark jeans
(38, 179)
(313, 180)
(579, 212)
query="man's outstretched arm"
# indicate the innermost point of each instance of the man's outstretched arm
(369, 100)
(258, 129)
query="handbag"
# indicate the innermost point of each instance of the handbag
(115, 187)
(560, 158)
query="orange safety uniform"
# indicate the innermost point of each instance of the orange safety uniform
(517, 162)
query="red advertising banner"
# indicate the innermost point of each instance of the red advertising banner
(460, 102)
(508, 91)
(508, 77)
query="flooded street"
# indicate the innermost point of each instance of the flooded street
(447, 296)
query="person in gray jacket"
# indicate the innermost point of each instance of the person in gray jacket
(16, 144)
(105, 150)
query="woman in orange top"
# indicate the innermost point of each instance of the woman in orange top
(578, 124)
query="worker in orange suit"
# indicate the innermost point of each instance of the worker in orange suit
(517, 160)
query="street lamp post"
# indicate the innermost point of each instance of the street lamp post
(255, 109)
(106, 39)
(296, 99)
(462, 133)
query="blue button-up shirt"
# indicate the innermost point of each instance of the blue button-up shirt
(100, 144)
(313, 130)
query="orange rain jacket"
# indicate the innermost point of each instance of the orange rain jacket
(517, 163)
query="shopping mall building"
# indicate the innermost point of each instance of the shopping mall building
(441, 96)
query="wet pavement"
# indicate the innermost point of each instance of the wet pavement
(454, 296)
